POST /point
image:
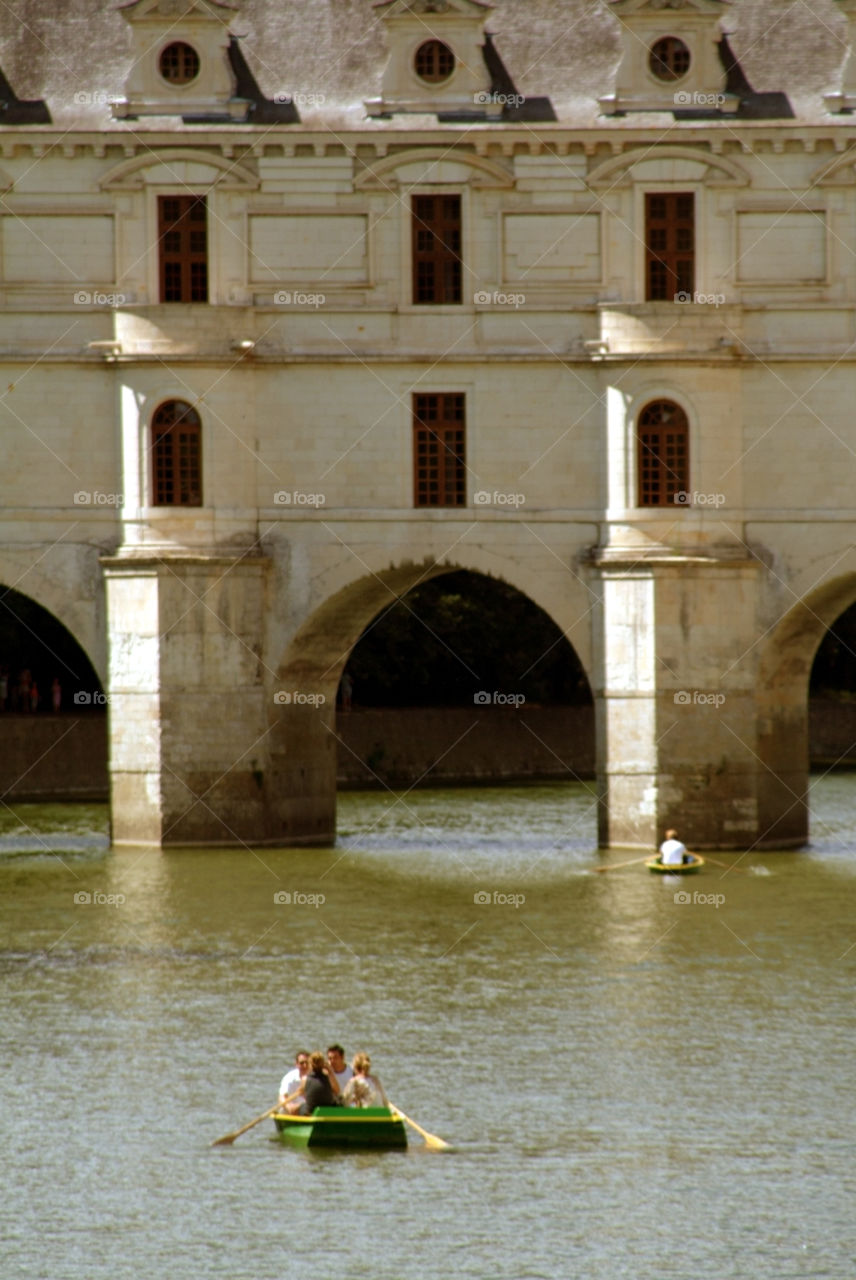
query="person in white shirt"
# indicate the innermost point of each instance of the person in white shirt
(292, 1080)
(672, 852)
(337, 1064)
(364, 1089)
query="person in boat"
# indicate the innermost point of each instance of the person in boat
(364, 1089)
(672, 852)
(291, 1082)
(337, 1064)
(319, 1087)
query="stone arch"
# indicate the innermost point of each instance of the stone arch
(784, 672)
(48, 756)
(302, 750)
(67, 584)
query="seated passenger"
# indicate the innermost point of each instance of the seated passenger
(320, 1088)
(364, 1089)
(672, 852)
(290, 1084)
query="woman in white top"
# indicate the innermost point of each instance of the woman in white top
(364, 1089)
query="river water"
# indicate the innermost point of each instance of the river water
(635, 1085)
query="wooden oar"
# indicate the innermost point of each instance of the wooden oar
(728, 866)
(631, 862)
(431, 1139)
(230, 1137)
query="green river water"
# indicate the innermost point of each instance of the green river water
(636, 1084)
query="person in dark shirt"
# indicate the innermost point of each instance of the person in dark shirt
(320, 1088)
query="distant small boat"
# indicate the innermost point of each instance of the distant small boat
(344, 1128)
(680, 869)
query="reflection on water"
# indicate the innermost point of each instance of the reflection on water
(595, 1046)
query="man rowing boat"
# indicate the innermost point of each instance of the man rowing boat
(672, 852)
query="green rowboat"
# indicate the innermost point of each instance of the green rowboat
(348, 1128)
(681, 869)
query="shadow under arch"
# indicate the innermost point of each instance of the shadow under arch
(783, 713)
(303, 741)
(52, 707)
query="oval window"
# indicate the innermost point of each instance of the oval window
(434, 61)
(179, 63)
(669, 58)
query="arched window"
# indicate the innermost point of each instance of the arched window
(663, 452)
(434, 61)
(176, 455)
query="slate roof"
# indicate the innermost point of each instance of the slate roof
(74, 55)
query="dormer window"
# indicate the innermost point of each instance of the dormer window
(179, 63)
(669, 59)
(434, 62)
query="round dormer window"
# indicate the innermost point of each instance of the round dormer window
(179, 63)
(669, 58)
(434, 61)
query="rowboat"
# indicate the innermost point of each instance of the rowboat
(343, 1128)
(680, 869)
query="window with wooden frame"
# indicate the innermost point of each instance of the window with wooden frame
(663, 453)
(434, 61)
(437, 266)
(669, 59)
(183, 240)
(670, 246)
(439, 449)
(176, 455)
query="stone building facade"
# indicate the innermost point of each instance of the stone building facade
(304, 304)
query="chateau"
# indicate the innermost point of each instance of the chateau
(306, 301)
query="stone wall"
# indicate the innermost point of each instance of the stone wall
(60, 757)
(396, 746)
(832, 733)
